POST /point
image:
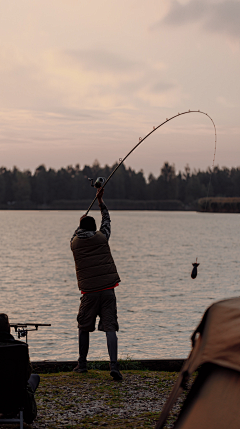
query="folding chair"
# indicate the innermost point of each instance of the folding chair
(13, 380)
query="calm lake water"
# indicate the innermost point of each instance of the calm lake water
(159, 305)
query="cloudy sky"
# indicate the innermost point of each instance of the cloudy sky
(83, 80)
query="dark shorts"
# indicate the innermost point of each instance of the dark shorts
(102, 304)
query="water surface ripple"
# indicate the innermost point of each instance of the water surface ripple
(159, 305)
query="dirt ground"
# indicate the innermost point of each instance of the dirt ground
(71, 400)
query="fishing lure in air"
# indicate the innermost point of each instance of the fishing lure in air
(194, 270)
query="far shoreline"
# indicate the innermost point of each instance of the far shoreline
(210, 205)
(174, 205)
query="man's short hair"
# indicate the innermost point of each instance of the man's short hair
(4, 323)
(88, 223)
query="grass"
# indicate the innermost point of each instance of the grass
(74, 401)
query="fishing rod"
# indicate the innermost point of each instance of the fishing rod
(22, 328)
(101, 182)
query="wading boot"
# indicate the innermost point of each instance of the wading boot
(81, 367)
(114, 371)
(83, 351)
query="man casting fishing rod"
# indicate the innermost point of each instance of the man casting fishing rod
(97, 277)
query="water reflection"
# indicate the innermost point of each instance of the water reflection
(159, 304)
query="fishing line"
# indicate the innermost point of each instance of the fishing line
(141, 140)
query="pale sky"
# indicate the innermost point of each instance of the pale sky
(83, 80)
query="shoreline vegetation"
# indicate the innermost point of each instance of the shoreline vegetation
(211, 205)
(84, 204)
(169, 365)
(69, 188)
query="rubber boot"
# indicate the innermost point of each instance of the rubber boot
(83, 351)
(112, 351)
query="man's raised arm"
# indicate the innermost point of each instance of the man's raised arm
(105, 227)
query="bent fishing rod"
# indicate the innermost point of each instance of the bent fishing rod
(100, 182)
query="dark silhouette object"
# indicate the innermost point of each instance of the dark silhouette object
(194, 270)
(213, 398)
(88, 223)
(17, 384)
(97, 277)
(13, 375)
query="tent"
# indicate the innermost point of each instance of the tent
(214, 399)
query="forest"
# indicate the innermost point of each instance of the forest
(45, 186)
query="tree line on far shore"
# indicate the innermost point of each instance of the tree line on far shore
(71, 183)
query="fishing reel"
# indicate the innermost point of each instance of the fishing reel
(99, 182)
(22, 328)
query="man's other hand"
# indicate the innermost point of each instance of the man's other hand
(100, 192)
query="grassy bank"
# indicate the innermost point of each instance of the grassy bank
(219, 205)
(169, 365)
(74, 401)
